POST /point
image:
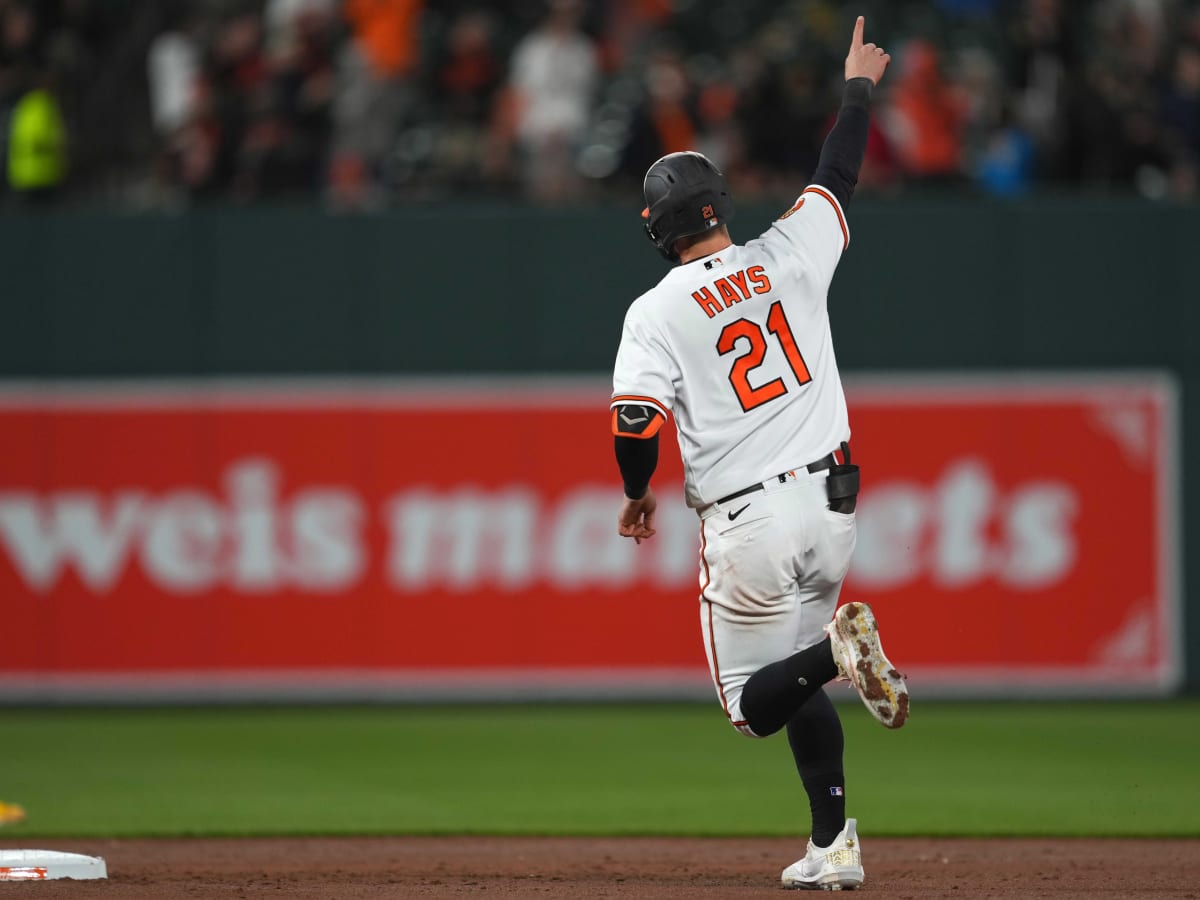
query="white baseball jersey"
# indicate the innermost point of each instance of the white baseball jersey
(737, 346)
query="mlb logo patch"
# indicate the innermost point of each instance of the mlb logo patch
(836, 792)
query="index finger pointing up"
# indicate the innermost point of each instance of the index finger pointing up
(857, 40)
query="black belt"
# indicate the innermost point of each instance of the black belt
(825, 462)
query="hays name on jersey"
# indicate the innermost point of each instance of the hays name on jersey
(733, 288)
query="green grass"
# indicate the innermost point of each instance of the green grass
(955, 769)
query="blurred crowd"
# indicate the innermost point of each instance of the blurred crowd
(368, 103)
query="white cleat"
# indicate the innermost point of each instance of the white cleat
(854, 639)
(837, 867)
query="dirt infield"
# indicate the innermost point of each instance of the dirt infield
(336, 868)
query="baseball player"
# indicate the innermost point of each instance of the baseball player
(735, 343)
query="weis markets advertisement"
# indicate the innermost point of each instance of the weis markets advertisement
(1017, 534)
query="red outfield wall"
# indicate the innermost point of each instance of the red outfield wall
(424, 538)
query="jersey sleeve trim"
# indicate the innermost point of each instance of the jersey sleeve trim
(643, 401)
(837, 208)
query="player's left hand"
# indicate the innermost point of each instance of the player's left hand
(636, 519)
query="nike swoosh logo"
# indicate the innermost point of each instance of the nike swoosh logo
(734, 515)
(629, 421)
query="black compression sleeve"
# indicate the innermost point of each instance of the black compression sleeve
(637, 459)
(844, 149)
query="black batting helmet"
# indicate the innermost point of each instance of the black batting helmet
(685, 195)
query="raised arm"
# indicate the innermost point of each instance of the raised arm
(844, 148)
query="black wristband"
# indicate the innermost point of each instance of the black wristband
(857, 92)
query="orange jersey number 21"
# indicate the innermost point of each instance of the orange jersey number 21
(777, 323)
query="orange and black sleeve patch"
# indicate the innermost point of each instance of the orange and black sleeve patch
(629, 420)
(799, 203)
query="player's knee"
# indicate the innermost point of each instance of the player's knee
(741, 722)
(759, 722)
(744, 729)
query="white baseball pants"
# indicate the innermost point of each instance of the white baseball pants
(771, 568)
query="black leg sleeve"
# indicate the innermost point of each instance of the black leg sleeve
(815, 736)
(775, 692)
